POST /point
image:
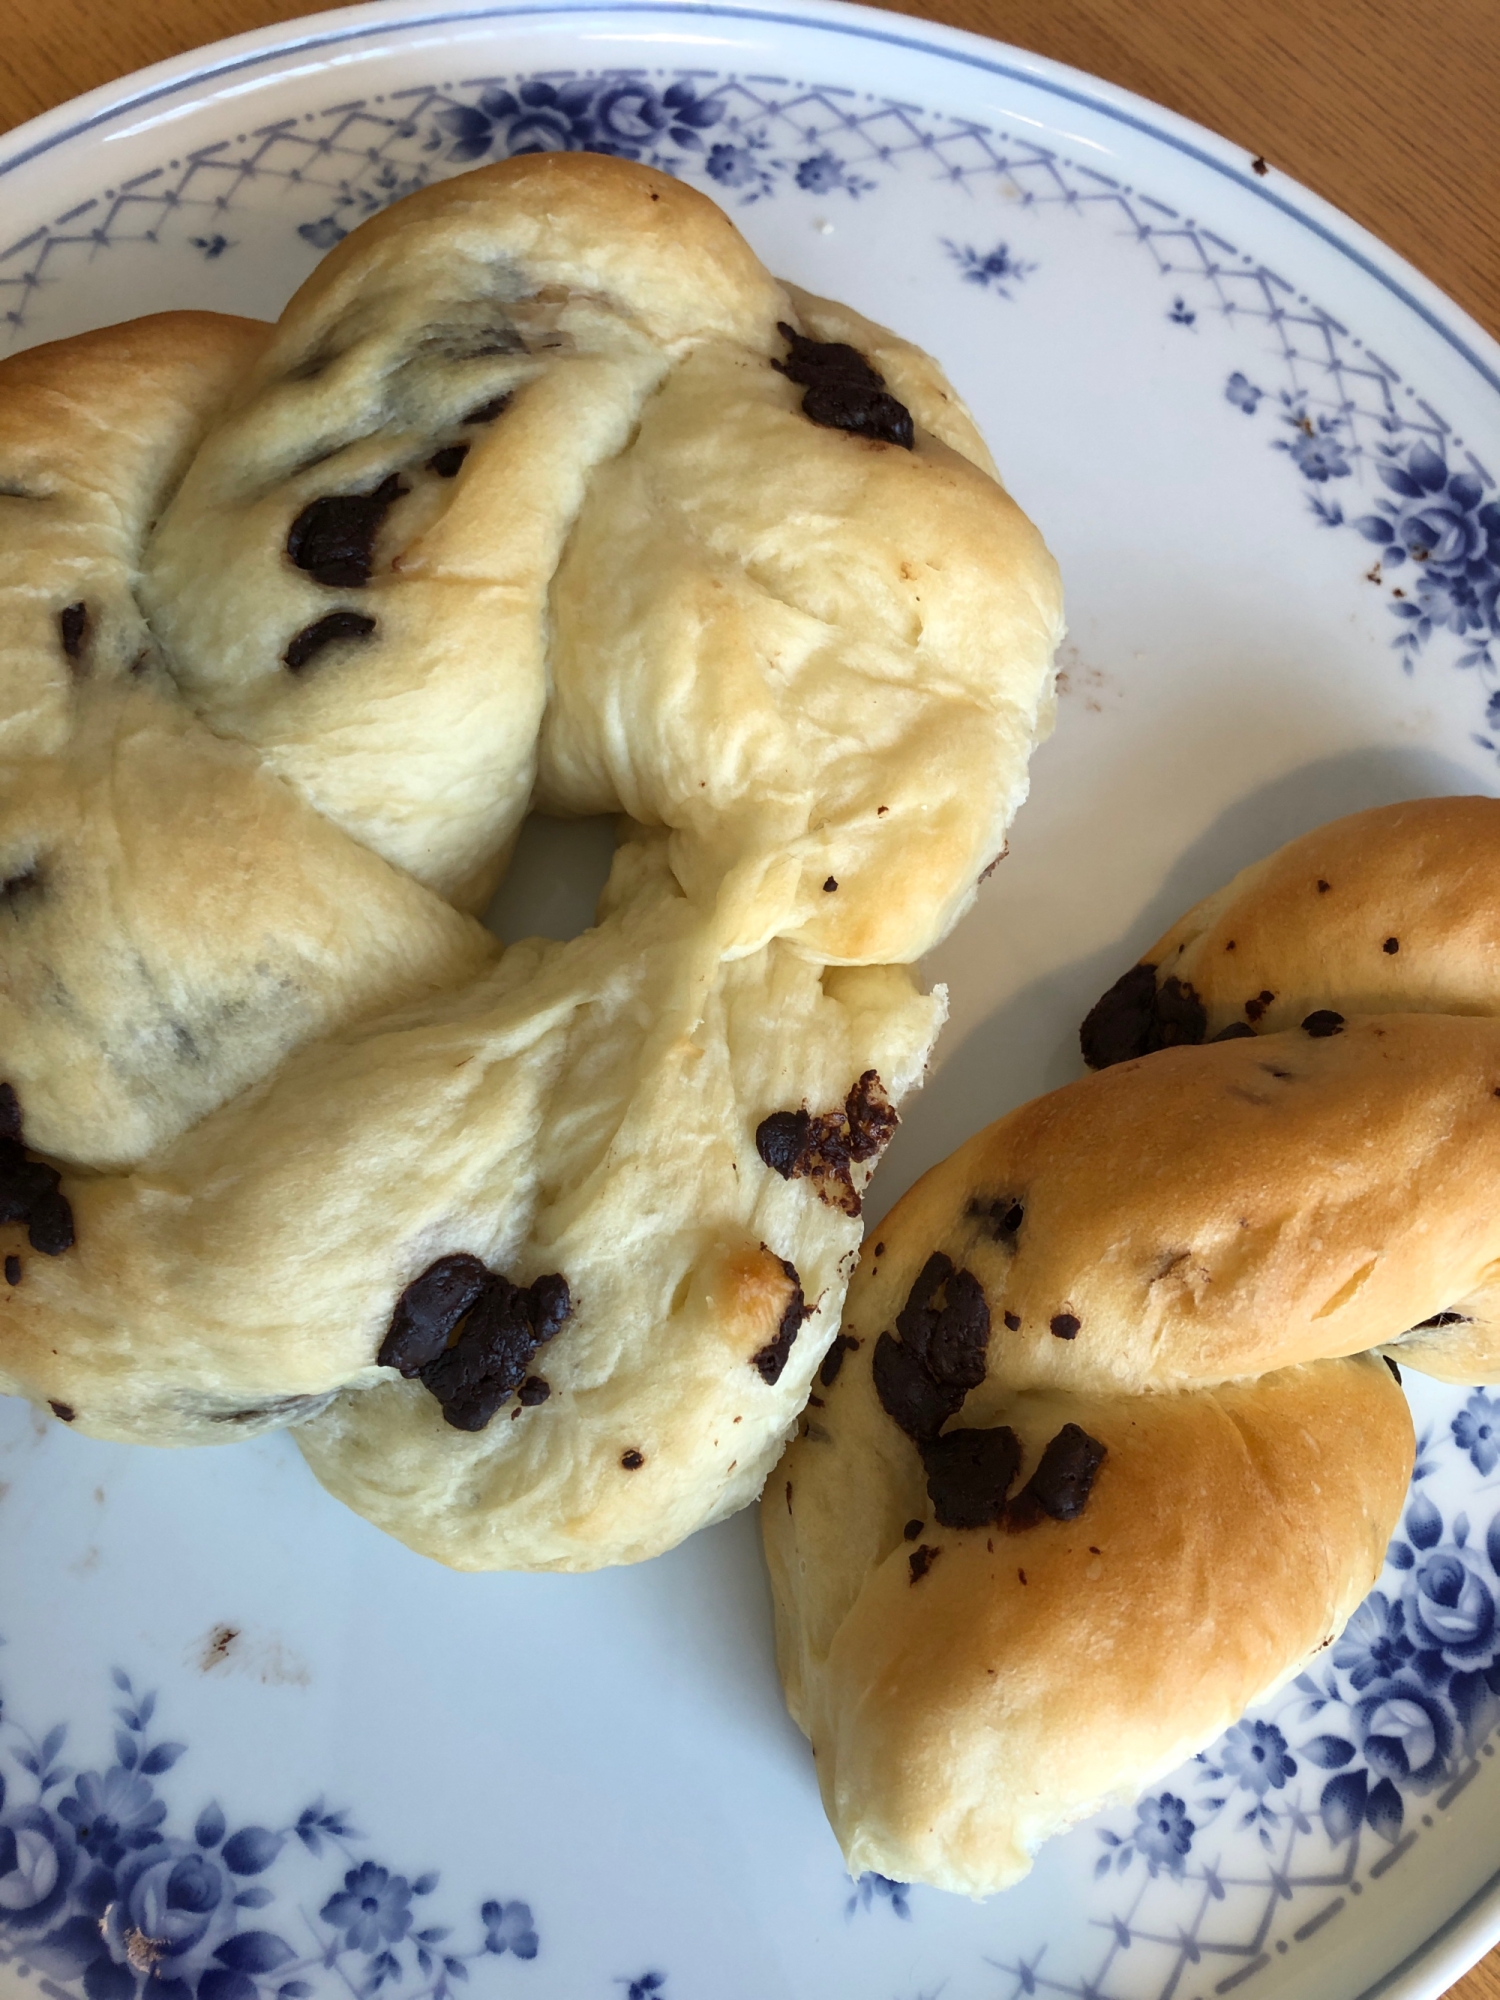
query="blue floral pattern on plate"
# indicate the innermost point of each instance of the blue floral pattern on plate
(100, 1898)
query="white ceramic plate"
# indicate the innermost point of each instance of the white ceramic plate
(307, 1763)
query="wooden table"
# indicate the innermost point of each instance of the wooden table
(1386, 113)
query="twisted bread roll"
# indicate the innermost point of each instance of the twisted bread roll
(540, 467)
(1107, 1363)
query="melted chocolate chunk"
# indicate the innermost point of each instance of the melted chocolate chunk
(446, 461)
(969, 1475)
(29, 1189)
(1391, 947)
(772, 1358)
(1322, 1024)
(824, 1148)
(313, 638)
(535, 1389)
(64, 1412)
(911, 1531)
(333, 539)
(13, 1270)
(488, 1361)
(1235, 1032)
(1256, 1007)
(1062, 1482)
(49, 1228)
(486, 413)
(922, 1376)
(829, 886)
(1065, 1325)
(428, 1311)
(632, 1460)
(1013, 1321)
(842, 391)
(1136, 1017)
(921, 1560)
(73, 626)
(833, 1360)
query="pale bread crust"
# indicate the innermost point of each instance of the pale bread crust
(1026, 1680)
(815, 657)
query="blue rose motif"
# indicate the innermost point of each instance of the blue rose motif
(508, 1927)
(372, 1909)
(592, 114)
(1477, 1427)
(173, 1907)
(38, 1856)
(113, 1812)
(732, 166)
(1441, 521)
(1163, 1833)
(631, 114)
(1254, 1754)
(1406, 1734)
(821, 174)
(1455, 1604)
(1243, 393)
(1374, 1644)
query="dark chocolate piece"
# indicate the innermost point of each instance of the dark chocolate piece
(333, 539)
(823, 1148)
(64, 1412)
(447, 459)
(1062, 1482)
(1004, 1216)
(10, 1114)
(1013, 1321)
(833, 1360)
(829, 886)
(73, 626)
(311, 640)
(923, 1375)
(1065, 1325)
(908, 1394)
(970, 1474)
(921, 1560)
(1391, 947)
(632, 1460)
(911, 1531)
(1136, 1017)
(769, 1361)
(535, 1389)
(29, 1189)
(12, 1270)
(842, 391)
(1322, 1024)
(429, 1309)
(49, 1228)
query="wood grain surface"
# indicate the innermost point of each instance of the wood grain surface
(1389, 114)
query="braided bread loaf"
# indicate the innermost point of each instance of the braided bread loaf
(1105, 1393)
(542, 492)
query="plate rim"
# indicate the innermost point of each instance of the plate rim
(1463, 1938)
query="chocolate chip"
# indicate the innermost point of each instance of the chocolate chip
(498, 1332)
(922, 1377)
(12, 1270)
(829, 886)
(633, 1460)
(446, 461)
(486, 413)
(1393, 1368)
(64, 1412)
(969, 1474)
(1323, 887)
(1136, 1017)
(1256, 1007)
(1322, 1024)
(1391, 947)
(73, 625)
(1004, 1217)
(1062, 1482)
(833, 1360)
(50, 1228)
(842, 391)
(1235, 1032)
(908, 1394)
(10, 1114)
(921, 1560)
(429, 1309)
(1065, 1325)
(822, 1148)
(1013, 1321)
(313, 638)
(772, 1358)
(333, 539)
(912, 1530)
